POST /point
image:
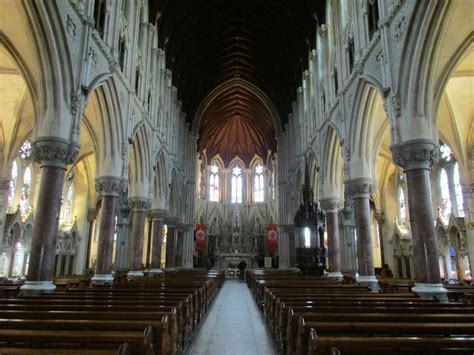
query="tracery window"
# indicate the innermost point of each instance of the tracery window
(25, 192)
(214, 183)
(445, 207)
(458, 190)
(25, 150)
(68, 205)
(236, 185)
(402, 205)
(259, 184)
(11, 191)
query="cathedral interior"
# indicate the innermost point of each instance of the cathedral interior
(321, 139)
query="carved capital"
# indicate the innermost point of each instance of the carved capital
(139, 204)
(109, 185)
(4, 184)
(53, 151)
(415, 154)
(360, 187)
(330, 204)
(158, 215)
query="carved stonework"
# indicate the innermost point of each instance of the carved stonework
(360, 187)
(139, 204)
(109, 185)
(330, 204)
(54, 151)
(75, 101)
(4, 184)
(416, 154)
(157, 214)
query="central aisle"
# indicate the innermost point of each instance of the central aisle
(233, 326)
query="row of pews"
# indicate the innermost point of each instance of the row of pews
(311, 315)
(151, 315)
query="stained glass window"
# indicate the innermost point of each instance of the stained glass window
(259, 186)
(11, 191)
(445, 196)
(402, 205)
(68, 206)
(25, 150)
(25, 192)
(214, 183)
(307, 238)
(273, 184)
(446, 152)
(458, 190)
(236, 185)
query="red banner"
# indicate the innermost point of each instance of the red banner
(201, 237)
(272, 237)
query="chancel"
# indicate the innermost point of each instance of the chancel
(154, 152)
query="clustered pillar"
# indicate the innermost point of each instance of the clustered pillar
(109, 188)
(416, 157)
(139, 208)
(53, 155)
(360, 191)
(331, 207)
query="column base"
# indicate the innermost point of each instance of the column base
(370, 281)
(37, 287)
(102, 279)
(431, 291)
(335, 275)
(135, 274)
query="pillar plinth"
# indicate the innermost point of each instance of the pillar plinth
(139, 208)
(53, 155)
(360, 191)
(417, 157)
(109, 188)
(331, 208)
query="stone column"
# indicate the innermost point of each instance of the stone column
(188, 247)
(283, 249)
(108, 188)
(157, 239)
(179, 245)
(4, 187)
(122, 261)
(53, 155)
(416, 157)
(468, 194)
(91, 216)
(360, 191)
(379, 217)
(139, 208)
(331, 207)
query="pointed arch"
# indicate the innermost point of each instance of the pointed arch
(140, 162)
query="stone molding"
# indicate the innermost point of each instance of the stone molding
(360, 187)
(54, 151)
(330, 204)
(4, 184)
(139, 204)
(109, 185)
(415, 154)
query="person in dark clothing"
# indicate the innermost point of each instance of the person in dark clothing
(242, 266)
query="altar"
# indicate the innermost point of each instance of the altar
(230, 261)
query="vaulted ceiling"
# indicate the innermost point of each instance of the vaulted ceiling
(261, 43)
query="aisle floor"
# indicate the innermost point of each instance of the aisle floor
(233, 325)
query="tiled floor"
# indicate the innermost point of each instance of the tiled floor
(233, 326)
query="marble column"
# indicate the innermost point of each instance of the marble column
(360, 191)
(179, 245)
(331, 208)
(157, 239)
(91, 217)
(468, 194)
(139, 208)
(379, 217)
(283, 249)
(170, 238)
(53, 155)
(109, 188)
(4, 188)
(122, 261)
(416, 157)
(188, 247)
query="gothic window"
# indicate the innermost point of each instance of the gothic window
(25, 192)
(259, 185)
(236, 185)
(25, 150)
(68, 205)
(121, 52)
(214, 183)
(100, 12)
(458, 190)
(445, 207)
(402, 205)
(273, 184)
(372, 17)
(307, 238)
(13, 181)
(351, 53)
